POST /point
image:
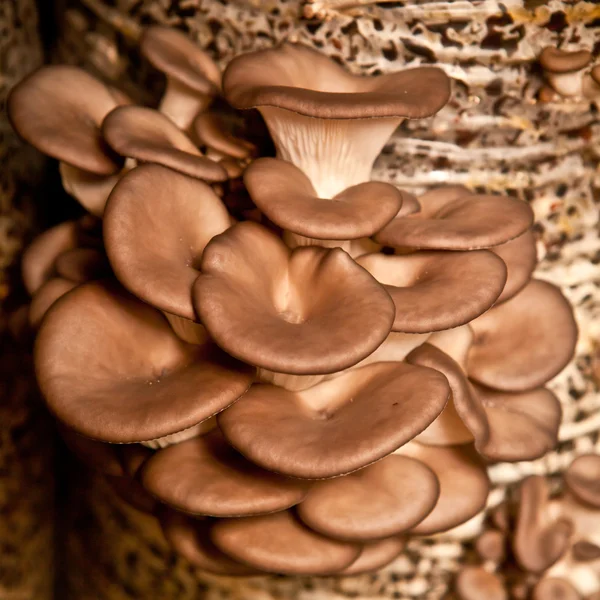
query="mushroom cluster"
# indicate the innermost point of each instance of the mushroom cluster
(541, 544)
(300, 392)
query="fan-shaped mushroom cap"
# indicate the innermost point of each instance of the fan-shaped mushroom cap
(286, 196)
(537, 317)
(375, 555)
(449, 221)
(475, 583)
(583, 479)
(458, 469)
(520, 257)
(521, 426)
(124, 376)
(553, 588)
(540, 539)
(491, 545)
(193, 78)
(279, 543)
(560, 61)
(38, 260)
(307, 311)
(337, 426)
(46, 296)
(438, 290)
(455, 343)
(82, 264)
(206, 476)
(156, 225)
(329, 123)
(89, 189)
(379, 501)
(149, 136)
(210, 131)
(190, 538)
(59, 109)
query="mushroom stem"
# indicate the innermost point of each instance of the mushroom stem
(566, 84)
(293, 383)
(181, 104)
(334, 153)
(181, 436)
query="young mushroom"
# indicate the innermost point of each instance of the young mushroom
(564, 69)
(329, 123)
(193, 78)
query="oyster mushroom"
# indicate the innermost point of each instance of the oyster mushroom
(193, 78)
(150, 137)
(329, 123)
(564, 69)
(375, 555)
(124, 376)
(210, 132)
(475, 583)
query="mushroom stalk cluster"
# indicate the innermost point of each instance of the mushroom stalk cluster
(300, 392)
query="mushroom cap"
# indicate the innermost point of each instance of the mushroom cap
(303, 312)
(156, 225)
(585, 551)
(286, 196)
(475, 583)
(554, 588)
(206, 476)
(491, 545)
(279, 543)
(539, 539)
(82, 264)
(438, 290)
(190, 538)
(46, 296)
(39, 258)
(179, 58)
(211, 132)
(375, 555)
(379, 501)
(124, 376)
(337, 426)
(555, 60)
(151, 137)
(449, 221)
(520, 257)
(302, 80)
(582, 478)
(521, 426)
(539, 317)
(595, 74)
(458, 469)
(59, 109)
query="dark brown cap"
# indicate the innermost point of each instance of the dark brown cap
(555, 60)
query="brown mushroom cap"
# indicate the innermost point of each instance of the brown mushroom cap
(302, 80)
(59, 109)
(520, 257)
(279, 543)
(475, 583)
(190, 538)
(307, 311)
(560, 61)
(179, 58)
(459, 470)
(111, 368)
(438, 290)
(522, 343)
(595, 74)
(583, 479)
(539, 540)
(206, 476)
(286, 196)
(156, 225)
(211, 132)
(46, 296)
(379, 501)
(336, 426)
(554, 588)
(448, 221)
(151, 137)
(82, 264)
(38, 260)
(375, 555)
(491, 545)
(585, 551)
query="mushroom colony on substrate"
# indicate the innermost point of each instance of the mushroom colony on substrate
(540, 544)
(299, 385)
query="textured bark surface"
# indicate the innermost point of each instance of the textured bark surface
(26, 434)
(494, 135)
